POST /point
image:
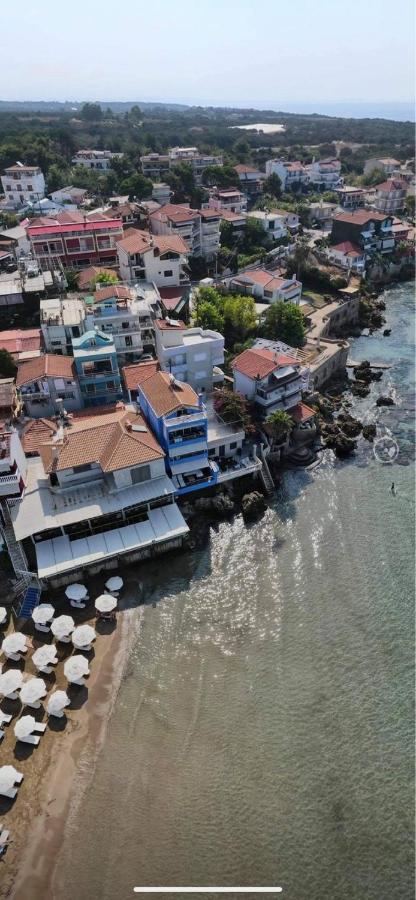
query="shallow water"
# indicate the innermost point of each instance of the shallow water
(263, 730)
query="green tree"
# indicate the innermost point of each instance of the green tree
(137, 187)
(135, 114)
(410, 205)
(299, 259)
(209, 316)
(219, 176)
(240, 319)
(8, 366)
(232, 407)
(281, 425)
(285, 322)
(182, 181)
(254, 235)
(71, 276)
(58, 177)
(242, 150)
(104, 278)
(273, 186)
(91, 112)
(377, 176)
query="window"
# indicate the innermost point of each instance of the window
(140, 474)
(85, 467)
(200, 357)
(90, 388)
(9, 187)
(268, 294)
(233, 446)
(202, 374)
(168, 273)
(110, 385)
(30, 187)
(129, 340)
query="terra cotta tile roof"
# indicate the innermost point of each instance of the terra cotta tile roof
(258, 363)
(43, 366)
(135, 374)
(37, 432)
(166, 394)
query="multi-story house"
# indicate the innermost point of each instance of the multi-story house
(390, 196)
(251, 180)
(271, 222)
(96, 366)
(22, 185)
(47, 383)
(194, 158)
(98, 493)
(369, 231)
(95, 159)
(290, 220)
(161, 259)
(268, 287)
(74, 239)
(193, 355)
(178, 418)
(134, 374)
(13, 463)
(237, 220)
(61, 321)
(228, 199)
(385, 164)
(155, 165)
(22, 343)
(120, 312)
(270, 379)
(70, 194)
(325, 173)
(321, 213)
(348, 256)
(292, 174)
(351, 197)
(200, 229)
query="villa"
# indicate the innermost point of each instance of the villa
(269, 378)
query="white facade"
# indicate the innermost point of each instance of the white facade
(385, 164)
(192, 355)
(129, 322)
(61, 321)
(325, 173)
(41, 395)
(95, 159)
(192, 156)
(13, 464)
(291, 174)
(230, 199)
(70, 194)
(200, 229)
(161, 192)
(272, 223)
(22, 184)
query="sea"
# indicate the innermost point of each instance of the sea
(263, 730)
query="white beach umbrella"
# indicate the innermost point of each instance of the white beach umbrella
(3, 615)
(75, 668)
(45, 656)
(57, 703)
(14, 643)
(83, 636)
(8, 776)
(43, 613)
(10, 682)
(24, 726)
(115, 583)
(105, 603)
(76, 592)
(33, 691)
(62, 626)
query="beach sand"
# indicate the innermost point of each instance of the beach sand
(36, 818)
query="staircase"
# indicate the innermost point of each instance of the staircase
(28, 601)
(265, 473)
(27, 588)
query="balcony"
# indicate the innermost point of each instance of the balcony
(10, 484)
(195, 418)
(205, 477)
(190, 436)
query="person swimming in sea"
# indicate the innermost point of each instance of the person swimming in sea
(393, 489)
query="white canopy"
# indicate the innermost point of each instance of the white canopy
(76, 592)
(57, 702)
(45, 656)
(75, 667)
(105, 603)
(43, 613)
(8, 776)
(83, 635)
(115, 583)
(33, 690)
(62, 626)
(14, 643)
(24, 726)
(3, 615)
(10, 681)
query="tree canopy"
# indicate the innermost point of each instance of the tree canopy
(233, 315)
(285, 322)
(8, 366)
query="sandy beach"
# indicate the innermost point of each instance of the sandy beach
(36, 819)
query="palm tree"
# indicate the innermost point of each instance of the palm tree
(281, 425)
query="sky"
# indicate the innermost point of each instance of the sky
(261, 53)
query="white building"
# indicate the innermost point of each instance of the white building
(13, 463)
(272, 223)
(161, 259)
(348, 256)
(44, 381)
(325, 173)
(70, 194)
(22, 184)
(200, 229)
(161, 192)
(61, 321)
(228, 199)
(269, 378)
(291, 174)
(385, 164)
(192, 355)
(95, 159)
(126, 315)
(98, 493)
(194, 158)
(267, 286)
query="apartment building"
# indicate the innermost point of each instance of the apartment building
(96, 367)
(200, 229)
(251, 180)
(193, 355)
(22, 184)
(177, 416)
(268, 287)
(369, 231)
(155, 165)
(75, 239)
(390, 196)
(124, 314)
(270, 379)
(98, 493)
(385, 164)
(61, 321)
(194, 158)
(161, 193)
(46, 383)
(160, 258)
(351, 197)
(292, 174)
(95, 159)
(228, 199)
(272, 223)
(13, 463)
(325, 174)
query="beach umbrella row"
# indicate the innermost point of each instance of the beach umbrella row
(8, 777)
(43, 613)
(24, 726)
(105, 603)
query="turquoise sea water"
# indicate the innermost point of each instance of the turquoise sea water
(263, 731)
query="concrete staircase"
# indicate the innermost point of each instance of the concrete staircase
(265, 473)
(27, 589)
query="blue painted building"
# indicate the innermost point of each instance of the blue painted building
(178, 418)
(97, 368)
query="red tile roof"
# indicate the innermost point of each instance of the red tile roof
(119, 291)
(171, 297)
(175, 213)
(166, 394)
(36, 433)
(258, 362)
(301, 413)
(246, 170)
(391, 185)
(21, 341)
(135, 374)
(361, 217)
(87, 275)
(42, 366)
(143, 241)
(348, 248)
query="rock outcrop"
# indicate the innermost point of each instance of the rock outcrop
(369, 432)
(385, 401)
(253, 506)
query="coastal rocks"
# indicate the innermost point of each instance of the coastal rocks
(365, 373)
(385, 401)
(253, 506)
(371, 314)
(343, 445)
(220, 504)
(386, 332)
(369, 432)
(350, 427)
(359, 389)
